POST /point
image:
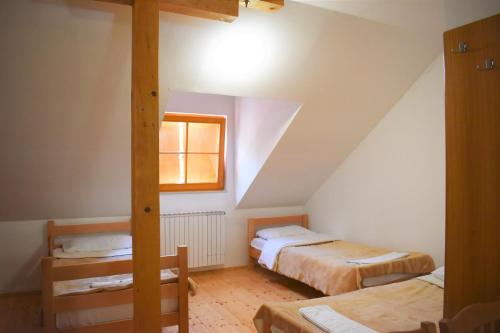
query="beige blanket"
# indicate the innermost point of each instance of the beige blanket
(325, 268)
(394, 307)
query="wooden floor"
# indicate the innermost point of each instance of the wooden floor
(20, 313)
(226, 301)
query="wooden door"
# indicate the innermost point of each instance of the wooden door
(472, 258)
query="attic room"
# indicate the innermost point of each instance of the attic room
(249, 166)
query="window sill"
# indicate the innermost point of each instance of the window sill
(191, 187)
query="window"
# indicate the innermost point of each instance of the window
(192, 152)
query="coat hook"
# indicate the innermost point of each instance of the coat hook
(462, 48)
(489, 64)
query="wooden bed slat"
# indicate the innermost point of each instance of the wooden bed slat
(169, 319)
(108, 298)
(122, 326)
(88, 270)
(169, 290)
(89, 301)
(55, 230)
(169, 262)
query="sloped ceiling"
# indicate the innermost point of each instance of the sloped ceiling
(66, 74)
(260, 124)
(416, 15)
(356, 70)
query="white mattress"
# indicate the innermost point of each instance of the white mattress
(87, 317)
(386, 279)
(258, 243)
(80, 318)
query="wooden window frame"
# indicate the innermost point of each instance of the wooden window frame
(207, 119)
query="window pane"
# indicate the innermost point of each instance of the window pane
(172, 169)
(172, 137)
(203, 138)
(202, 168)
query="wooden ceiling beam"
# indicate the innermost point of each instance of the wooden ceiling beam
(220, 10)
(264, 5)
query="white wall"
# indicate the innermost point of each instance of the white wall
(460, 12)
(236, 247)
(65, 110)
(260, 123)
(390, 191)
(23, 244)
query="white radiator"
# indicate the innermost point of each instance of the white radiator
(203, 233)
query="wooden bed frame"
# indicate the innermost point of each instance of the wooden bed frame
(254, 224)
(52, 271)
(258, 223)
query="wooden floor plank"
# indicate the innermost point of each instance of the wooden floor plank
(226, 302)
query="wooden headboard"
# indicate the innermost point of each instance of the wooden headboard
(254, 223)
(54, 230)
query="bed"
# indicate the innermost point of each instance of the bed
(94, 294)
(324, 263)
(395, 307)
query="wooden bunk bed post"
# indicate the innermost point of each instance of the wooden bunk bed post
(145, 166)
(49, 319)
(250, 236)
(305, 221)
(182, 252)
(50, 236)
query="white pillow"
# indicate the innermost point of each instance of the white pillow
(439, 273)
(97, 243)
(288, 231)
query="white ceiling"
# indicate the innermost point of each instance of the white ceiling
(361, 59)
(419, 15)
